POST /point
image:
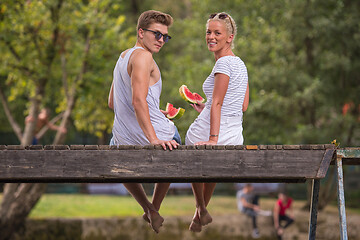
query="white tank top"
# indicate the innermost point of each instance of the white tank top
(126, 129)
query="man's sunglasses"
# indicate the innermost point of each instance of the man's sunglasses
(222, 16)
(159, 35)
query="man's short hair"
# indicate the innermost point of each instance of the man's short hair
(152, 16)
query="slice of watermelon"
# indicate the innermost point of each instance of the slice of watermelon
(174, 113)
(188, 96)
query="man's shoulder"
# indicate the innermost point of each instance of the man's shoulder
(140, 55)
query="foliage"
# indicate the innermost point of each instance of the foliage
(302, 59)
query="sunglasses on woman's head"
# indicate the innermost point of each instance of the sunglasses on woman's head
(222, 16)
(159, 35)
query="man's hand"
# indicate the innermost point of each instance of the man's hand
(256, 208)
(170, 144)
(164, 112)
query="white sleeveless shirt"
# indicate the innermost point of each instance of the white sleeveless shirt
(126, 129)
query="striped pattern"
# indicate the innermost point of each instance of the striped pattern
(235, 68)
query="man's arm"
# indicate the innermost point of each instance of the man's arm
(246, 204)
(54, 127)
(111, 97)
(141, 68)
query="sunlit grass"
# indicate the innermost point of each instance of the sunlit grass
(97, 206)
(77, 205)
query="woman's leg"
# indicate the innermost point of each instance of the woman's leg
(202, 193)
(137, 191)
(288, 220)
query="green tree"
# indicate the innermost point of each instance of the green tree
(53, 52)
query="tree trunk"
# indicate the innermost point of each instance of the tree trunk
(19, 199)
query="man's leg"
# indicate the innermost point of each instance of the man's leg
(160, 191)
(251, 213)
(137, 191)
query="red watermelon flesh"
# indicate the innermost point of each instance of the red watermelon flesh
(187, 95)
(198, 97)
(174, 113)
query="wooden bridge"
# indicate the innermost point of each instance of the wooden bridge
(249, 163)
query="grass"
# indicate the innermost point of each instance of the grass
(97, 206)
(78, 205)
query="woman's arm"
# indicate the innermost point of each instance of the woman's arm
(276, 215)
(221, 84)
(246, 99)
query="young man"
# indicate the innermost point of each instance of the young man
(135, 96)
(248, 203)
(43, 120)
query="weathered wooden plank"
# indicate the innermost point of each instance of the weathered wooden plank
(104, 147)
(262, 147)
(349, 156)
(271, 147)
(61, 147)
(325, 163)
(15, 147)
(230, 147)
(91, 147)
(251, 147)
(77, 147)
(146, 165)
(34, 147)
(291, 147)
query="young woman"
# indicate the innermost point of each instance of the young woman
(227, 93)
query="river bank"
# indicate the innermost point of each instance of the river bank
(230, 227)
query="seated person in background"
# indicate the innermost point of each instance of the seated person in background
(248, 203)
(43, 120)
(283, 203)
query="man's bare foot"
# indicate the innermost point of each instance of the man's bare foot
(205, 217)
(145, 217)
(155, 220)
(195, 225)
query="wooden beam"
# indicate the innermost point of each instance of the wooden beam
(78, 163)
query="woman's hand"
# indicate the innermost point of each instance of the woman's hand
(210, 142)
(199, 106)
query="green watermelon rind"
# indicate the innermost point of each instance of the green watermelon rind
(179, 113)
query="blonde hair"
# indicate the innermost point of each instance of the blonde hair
(229, 24)
(152, 16)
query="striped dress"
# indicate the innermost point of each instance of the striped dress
(231, 110)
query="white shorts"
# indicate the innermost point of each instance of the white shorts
(230, 130)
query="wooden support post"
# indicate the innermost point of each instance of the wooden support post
(341, 199)
(314, 208)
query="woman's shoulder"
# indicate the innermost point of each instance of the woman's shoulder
(229, 60)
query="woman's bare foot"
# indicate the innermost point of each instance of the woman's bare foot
(205, 217)
(155, 220)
